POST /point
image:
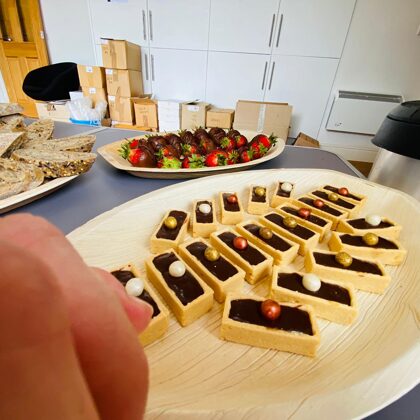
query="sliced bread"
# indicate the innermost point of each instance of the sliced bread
(12, 123)
(69, 144)
(12, 179)
(40, 130)
(10, 108)
(35, 175)
(9, 142)
(56, 164)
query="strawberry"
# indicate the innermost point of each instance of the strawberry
(189, 149)
(216, 158)
(267, 142)
(258, 149)
(241, 141)
(169, 162)
(134, 143)
(166, 151)
(193, 161)
(233, 157)
(207, 145)
(246, 155)
(141, 157)
(227, 144)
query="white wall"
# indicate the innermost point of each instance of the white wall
(381, 55)
(68, 32)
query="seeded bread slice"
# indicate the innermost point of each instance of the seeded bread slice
(10, 142)
(35, 175)
(10, 108)
(69, 144)
(12, 180)
(56, 164)
(12, 123)
(40, 130)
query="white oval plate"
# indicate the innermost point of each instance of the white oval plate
(358, 370)
(110, 153)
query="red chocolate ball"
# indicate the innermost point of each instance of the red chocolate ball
(240, 242)
(270, 309)
(232, 199)
(318, 203)
(343, 191)
(304, 213)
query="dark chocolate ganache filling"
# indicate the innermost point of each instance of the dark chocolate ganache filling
(327, 291)
(258, 198)
(230, 206)
(355, 240)
(290, 319)
(221, 268)
(357, 265)
(186, 287)
(312, 218)
(250, 254)
(299, 230)
(123, 276)
(362, 224)
(275, 241)
(201, 217)
(171, 234)
(342, 203)
(282, 193)
(335, 189)
(325, 208)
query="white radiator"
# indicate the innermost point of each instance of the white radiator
(356, 112)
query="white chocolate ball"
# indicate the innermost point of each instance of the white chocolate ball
(311, 282)
(286, 187)
(373, 219)
(134, 287)
(177, 269)
(204, 208)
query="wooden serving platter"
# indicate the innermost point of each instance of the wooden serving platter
(194, 374)
(110, 153)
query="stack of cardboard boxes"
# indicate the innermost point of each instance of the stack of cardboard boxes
(92, 81)
(124, 82)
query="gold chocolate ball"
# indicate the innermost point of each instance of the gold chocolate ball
(211, 254)
(260, 191)
(344, 259)
(370, 239)
(170, 222)
(333, 197)
(290, 222)
(265, 233)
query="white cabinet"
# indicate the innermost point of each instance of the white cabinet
(178, 74)
(305, 83)
(119, 20)
(242, 25)
(179, 24)
(315, 28)
(233, 76)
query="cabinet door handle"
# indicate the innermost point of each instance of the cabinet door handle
(280, 25)
(153, 67)
(271, 76)
(144, 24)
(146, 66)
(265, 72)
(150, 25)
(271, 30)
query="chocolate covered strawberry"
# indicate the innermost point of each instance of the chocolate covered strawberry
(169, 162)
(216, 158)
(241, 141)
(157, 142)
(228, 144)
(246, 155)
(141, 157)
(189, 149)
(207, 145)
(166, 151)
(194, 161)
(258, 149)
(233, 157)
(267, 142)
(233, 133)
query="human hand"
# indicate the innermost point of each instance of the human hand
(69, 346)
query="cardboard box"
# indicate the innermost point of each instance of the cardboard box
(169, 114)
(193, 115)
(306, 141)
(146, 113)
(135, 127)
(91, 76)
(121, 109)
(263, 117)
(217, 117)
(96, 94)
(125, 83)
(76, 94)
(120, 54)
(56, 110)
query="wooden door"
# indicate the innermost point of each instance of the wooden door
(22, 47)
(305, 83)
(312, 28)
(180, 24)
(243, 25)
(234, 76)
